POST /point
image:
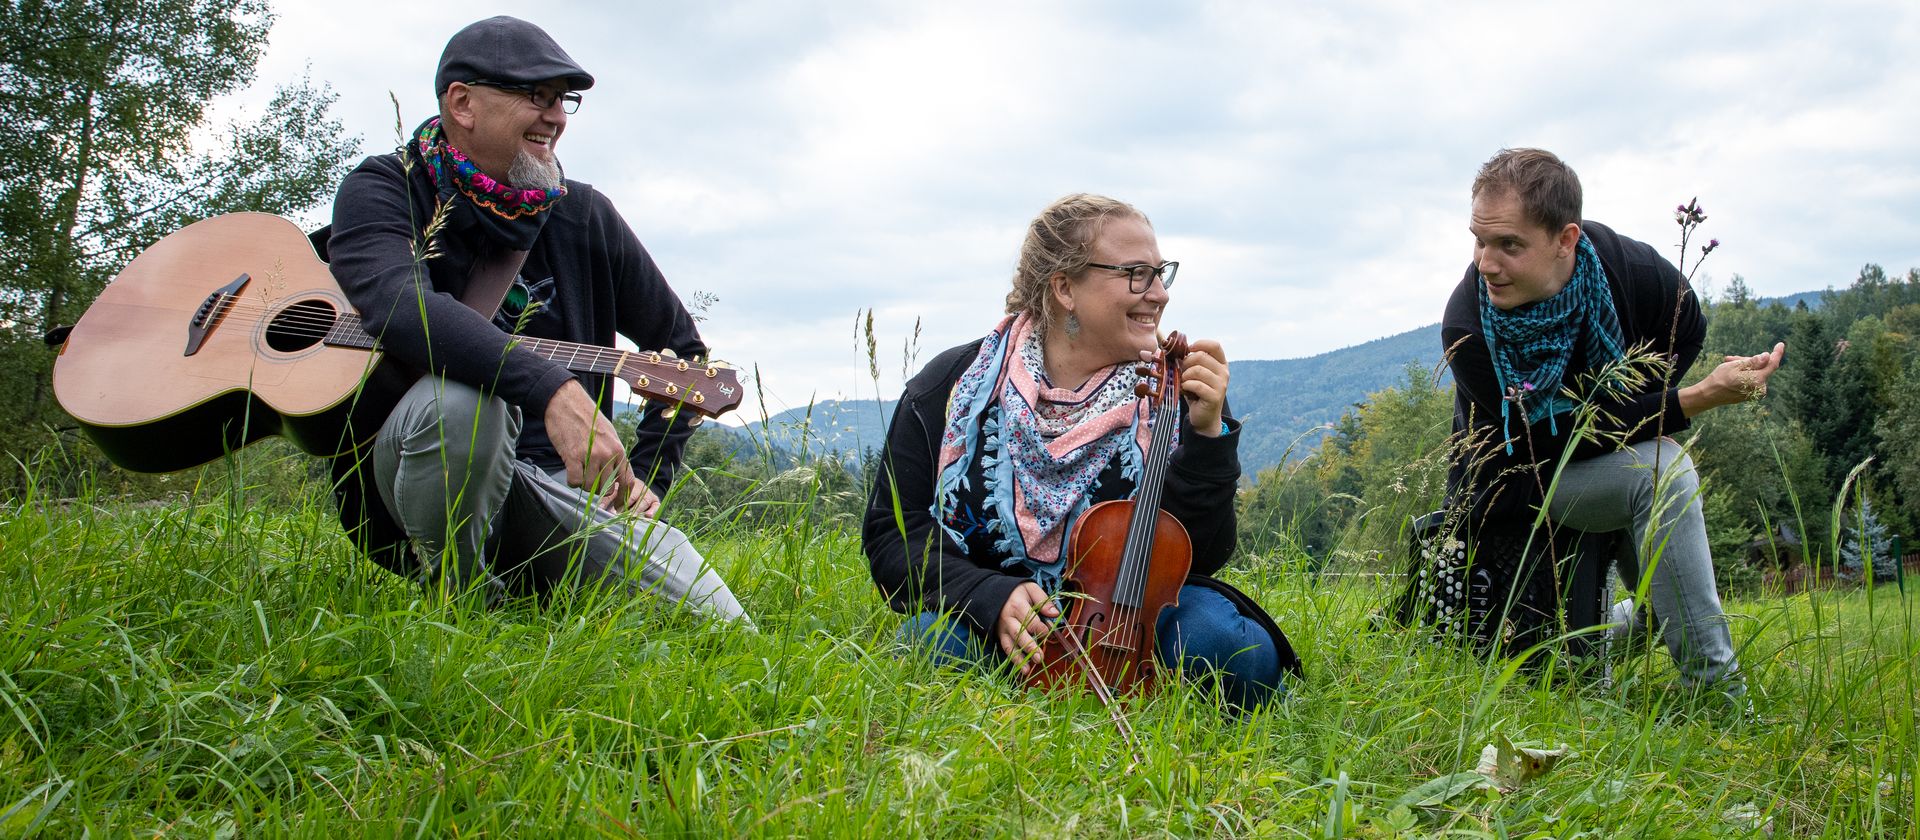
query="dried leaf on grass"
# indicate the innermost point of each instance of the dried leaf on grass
(1510, 767)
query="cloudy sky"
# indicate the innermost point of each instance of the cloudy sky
(1307, 164)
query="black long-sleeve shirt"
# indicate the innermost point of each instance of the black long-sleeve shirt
(1655, 305)
(918, 565)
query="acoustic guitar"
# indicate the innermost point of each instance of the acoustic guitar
(232, 329)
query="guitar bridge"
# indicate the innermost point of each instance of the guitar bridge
(210, 313)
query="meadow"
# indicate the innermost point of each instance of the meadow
(219, 663)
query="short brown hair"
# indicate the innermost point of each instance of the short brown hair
(1060, 241)
(1548, 189)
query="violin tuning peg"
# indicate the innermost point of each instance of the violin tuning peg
(1142, 389)
(1143, 369)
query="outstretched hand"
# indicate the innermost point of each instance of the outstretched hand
(1737, 380)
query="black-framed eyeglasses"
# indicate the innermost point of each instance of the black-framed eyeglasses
(541, 97)
(1140, 275)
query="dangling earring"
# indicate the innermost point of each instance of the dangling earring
(1073, 326)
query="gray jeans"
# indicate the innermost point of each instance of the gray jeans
(1618, 491)
(480, 518)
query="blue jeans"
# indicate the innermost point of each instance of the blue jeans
(1205, 635)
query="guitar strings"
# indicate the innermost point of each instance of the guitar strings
(292, 321)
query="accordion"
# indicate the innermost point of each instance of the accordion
(1506, 588)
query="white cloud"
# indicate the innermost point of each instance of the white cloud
(1307, 164)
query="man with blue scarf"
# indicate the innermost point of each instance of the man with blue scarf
(1548, 304)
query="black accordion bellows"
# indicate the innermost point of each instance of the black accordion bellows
(1506, 588)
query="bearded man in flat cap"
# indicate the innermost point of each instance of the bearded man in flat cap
(500, 471)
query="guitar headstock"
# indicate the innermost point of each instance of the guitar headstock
(707, 388)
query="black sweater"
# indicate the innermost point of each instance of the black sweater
(1655, 305)
(924, 569)
(586, 278)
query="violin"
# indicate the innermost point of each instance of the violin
(1126, 561)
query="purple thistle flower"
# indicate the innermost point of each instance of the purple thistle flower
(1527, 385)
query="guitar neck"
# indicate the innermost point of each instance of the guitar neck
(585, 358)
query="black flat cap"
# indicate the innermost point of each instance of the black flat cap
(506, 49)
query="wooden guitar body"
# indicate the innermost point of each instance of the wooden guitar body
(259, 368)
(232, 329)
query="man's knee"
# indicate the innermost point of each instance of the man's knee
(1674, 478)
(455, 418)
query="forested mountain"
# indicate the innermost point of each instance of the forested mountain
(847, 428)
(1287, 405)
(1280, 401)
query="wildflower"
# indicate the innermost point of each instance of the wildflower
(1527, 385)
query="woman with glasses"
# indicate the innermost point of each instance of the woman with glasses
(998, 445)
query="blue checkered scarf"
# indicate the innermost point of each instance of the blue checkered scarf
(1532, 345)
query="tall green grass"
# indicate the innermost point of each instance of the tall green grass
(221, 664)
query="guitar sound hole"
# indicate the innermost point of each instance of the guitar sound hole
(300, 326)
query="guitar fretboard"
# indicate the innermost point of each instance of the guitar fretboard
(348, 332)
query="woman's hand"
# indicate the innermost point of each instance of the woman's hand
(1203, 379)
(1023, 623)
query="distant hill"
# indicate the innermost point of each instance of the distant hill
(1282, 402)
(1811, 299)
(847, 428)
(1278, 400)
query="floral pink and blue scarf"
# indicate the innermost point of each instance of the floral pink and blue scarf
(1042, 448)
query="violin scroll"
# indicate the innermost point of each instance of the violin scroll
(1160, 379)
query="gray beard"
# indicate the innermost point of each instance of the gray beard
(531, 173)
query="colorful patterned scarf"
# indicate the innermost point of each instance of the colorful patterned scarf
(509, 215)
(1042, 448)
(1532, 345)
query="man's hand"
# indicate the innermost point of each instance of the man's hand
(1737, 380)
(642, 501)
(590, 447)
(1023, 623)
(1203, 378)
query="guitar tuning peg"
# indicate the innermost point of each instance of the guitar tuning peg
(669, 353)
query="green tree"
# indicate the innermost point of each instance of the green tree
(1760, 462)
(103, 100)
(1288, 511)
(1401, 455)
(1898, 431)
